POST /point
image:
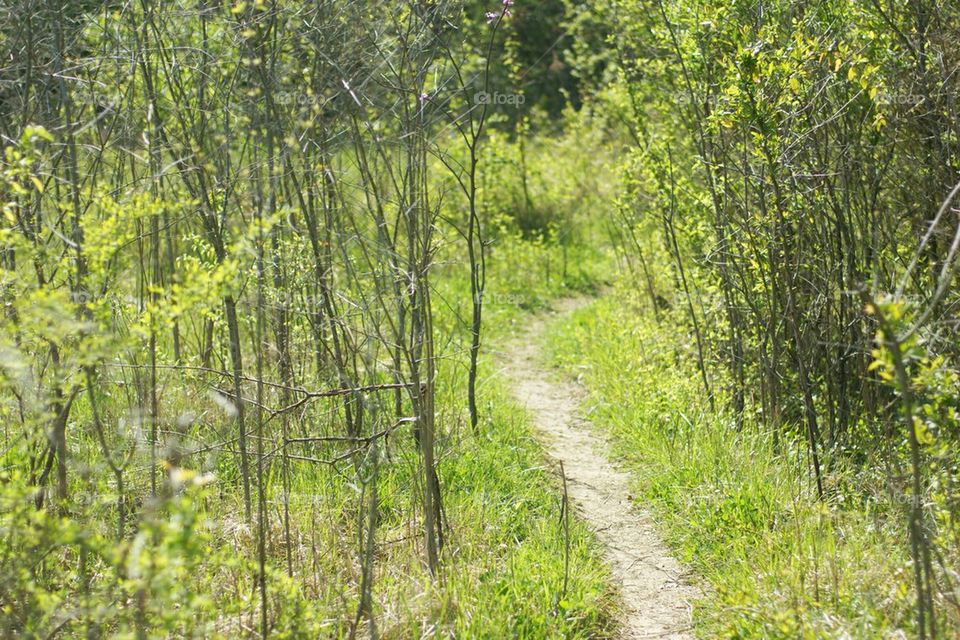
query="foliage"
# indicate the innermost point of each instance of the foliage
(232, 342)
(777, 562)
(785, 165)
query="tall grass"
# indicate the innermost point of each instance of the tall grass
(738, 507)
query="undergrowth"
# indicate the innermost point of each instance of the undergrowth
(734, 505)
(188, 567)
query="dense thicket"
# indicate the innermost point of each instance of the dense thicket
(797, 165)
(222, 225)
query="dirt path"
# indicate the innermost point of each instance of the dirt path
(656, 600)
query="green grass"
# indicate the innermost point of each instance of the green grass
(503, 562)
(774, 563)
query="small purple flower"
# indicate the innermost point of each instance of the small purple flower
(424, 98)
(493, 16)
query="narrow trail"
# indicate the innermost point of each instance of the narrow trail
(656, 600)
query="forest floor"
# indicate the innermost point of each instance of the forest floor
(656, 596)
